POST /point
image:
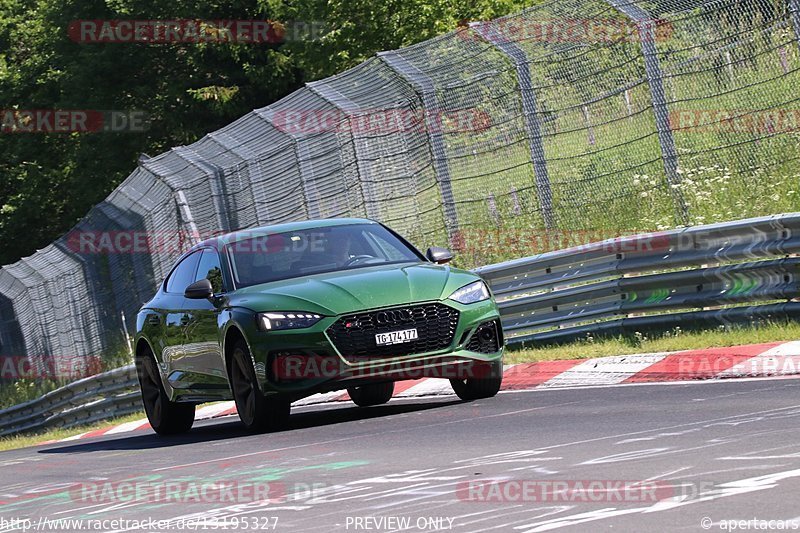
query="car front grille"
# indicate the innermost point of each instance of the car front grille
(354, 335)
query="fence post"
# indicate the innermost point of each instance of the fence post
(217, 184)
(669, 154)
(489, 33)
(306, 168)
(13, 342)
(424, 87)
(348, 108)
(186, 214)
(126, 334)
(248, 158)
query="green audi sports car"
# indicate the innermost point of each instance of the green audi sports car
(271, 315)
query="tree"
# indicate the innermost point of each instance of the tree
(49, 181)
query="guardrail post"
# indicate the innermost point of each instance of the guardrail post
(348, 108)
(794, 11)
(669, 154)
(489, 33)
(423, 85)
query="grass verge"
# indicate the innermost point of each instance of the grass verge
(674, 340)
(31, 439)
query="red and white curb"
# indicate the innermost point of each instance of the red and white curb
(753, 360)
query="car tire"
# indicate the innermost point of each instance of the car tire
(373, 394)
(257, 412)
(479, 387)
(165, 416)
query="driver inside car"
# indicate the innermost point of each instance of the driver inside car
(324, 251)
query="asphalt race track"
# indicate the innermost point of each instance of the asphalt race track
(686, 455)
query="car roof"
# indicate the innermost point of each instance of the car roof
(235, 236)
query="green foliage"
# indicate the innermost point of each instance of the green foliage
(24, 390)
(49, 181)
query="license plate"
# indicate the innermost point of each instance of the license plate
(395, 337)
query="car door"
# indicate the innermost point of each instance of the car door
(175, 314)
(202, 350)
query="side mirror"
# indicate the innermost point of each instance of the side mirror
(439, 255)
(199, 290)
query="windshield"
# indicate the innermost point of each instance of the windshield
(293, 254)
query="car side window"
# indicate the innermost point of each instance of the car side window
(183, 275)
(210, 269)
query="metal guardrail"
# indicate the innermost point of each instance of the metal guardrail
(107, 395)
(704, 275)
(713, 274)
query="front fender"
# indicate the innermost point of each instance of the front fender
(243, 321)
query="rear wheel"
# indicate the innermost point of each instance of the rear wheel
(373, 394)
(479, 386)
(257, 412)
(166, 417)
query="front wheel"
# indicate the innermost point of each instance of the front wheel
(373, 394)
(166, 417)
(257, 412)
(479, 386)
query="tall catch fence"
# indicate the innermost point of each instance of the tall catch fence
(503, 139)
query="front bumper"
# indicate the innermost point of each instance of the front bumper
(306, 361)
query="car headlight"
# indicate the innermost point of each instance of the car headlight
(474, 292)
(293, 320)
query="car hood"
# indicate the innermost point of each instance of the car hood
(337, 293)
